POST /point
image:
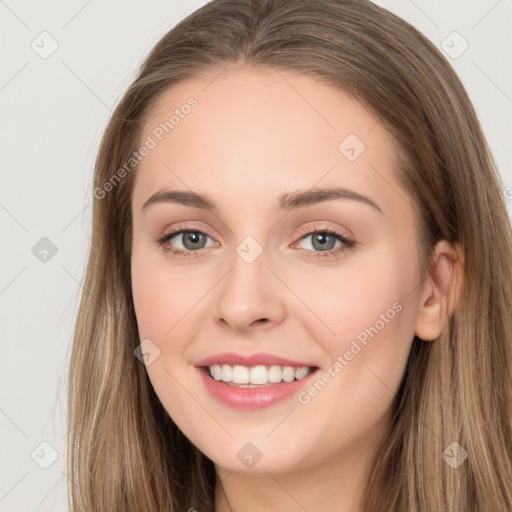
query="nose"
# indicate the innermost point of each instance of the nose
(250, 296)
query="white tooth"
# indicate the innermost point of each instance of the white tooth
(216, 371)
(288, 373)
(300, 373)
(258, 375)
(227, 373)
(275, 374)
(240, 374)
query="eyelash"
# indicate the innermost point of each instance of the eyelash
(348, 242)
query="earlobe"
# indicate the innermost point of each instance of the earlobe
(440, 291)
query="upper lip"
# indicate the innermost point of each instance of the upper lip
(259, 358)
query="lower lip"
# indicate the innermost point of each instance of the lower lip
(253, 398)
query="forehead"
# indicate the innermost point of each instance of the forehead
(262, 132)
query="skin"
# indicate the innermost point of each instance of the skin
(255, 135)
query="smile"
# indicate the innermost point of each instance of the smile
(253, 381)
(260, 375)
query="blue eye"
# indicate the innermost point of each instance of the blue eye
(193, 240)
(324, 240)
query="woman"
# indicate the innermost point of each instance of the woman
(299, 286)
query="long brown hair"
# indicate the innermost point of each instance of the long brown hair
(126, 453)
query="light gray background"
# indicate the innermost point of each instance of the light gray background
(53, 112)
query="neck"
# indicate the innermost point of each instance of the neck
(335, 485)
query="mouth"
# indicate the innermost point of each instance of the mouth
(253, 381)
(257, 376)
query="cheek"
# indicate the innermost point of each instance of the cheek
(162, 294)
(347, 301)
(367, 317)
(169, 299)
(371, 311)
(161, 301)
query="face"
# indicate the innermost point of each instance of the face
(301, 303)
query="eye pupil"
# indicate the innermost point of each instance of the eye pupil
(323, 239)
(194, 237)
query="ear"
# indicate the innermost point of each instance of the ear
(440, 291)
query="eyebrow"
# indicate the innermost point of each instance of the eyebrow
(287, 202)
